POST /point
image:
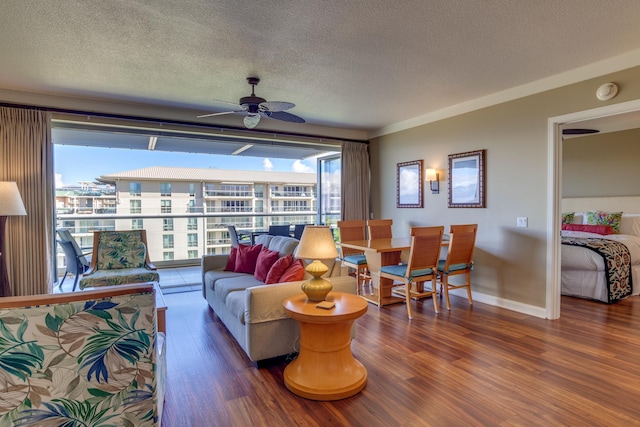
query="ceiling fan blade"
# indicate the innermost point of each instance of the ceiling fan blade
(218, 114)
(284, 116)
(274, 106)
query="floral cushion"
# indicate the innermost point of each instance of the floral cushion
(122, 276)
(120, 249)
(567, 217)
(605, 218)
(89, 362)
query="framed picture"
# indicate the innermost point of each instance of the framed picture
(409, 184)
(467, 180)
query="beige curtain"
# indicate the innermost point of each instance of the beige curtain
(26, 157)
(355, 181)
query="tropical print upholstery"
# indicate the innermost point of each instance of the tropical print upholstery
(84, 363)
(120, 260)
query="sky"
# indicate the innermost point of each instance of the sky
(76, 163)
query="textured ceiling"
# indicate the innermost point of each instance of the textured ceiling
(348, 64)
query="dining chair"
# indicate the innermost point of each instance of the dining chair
(237, 238)
(379, 228)
(422, 266)
(280, 230)
(459, 259)
(352, 258)
(77, 262)
(298, 229)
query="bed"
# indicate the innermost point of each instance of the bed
(584, 255)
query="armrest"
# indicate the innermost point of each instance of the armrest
(150, 266)
(214, 262)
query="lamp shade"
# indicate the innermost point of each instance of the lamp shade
(10, 200)
(431, 175)
(316, 243)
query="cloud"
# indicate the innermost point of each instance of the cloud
(267, 164)
(298, 166)
(59, 182)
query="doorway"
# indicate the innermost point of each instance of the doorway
(554, 189)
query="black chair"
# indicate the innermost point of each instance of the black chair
(298, 229)
(238, 238)
(77, 263)
(280, 230)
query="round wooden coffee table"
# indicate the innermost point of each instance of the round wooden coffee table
(325, 368)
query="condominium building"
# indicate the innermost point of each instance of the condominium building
(186, 211)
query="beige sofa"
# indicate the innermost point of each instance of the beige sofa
(252, 311)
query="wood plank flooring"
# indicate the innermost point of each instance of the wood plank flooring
(474, 366)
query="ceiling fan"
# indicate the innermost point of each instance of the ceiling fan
(255, 107)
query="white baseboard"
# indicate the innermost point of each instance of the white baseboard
(519, 307)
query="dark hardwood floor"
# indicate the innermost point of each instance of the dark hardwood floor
(474, 366)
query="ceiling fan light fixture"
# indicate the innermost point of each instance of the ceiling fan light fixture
(251, 120)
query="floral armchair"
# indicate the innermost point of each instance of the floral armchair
(119, 257)
(89, 358)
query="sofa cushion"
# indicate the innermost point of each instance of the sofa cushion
(235, 303)
(225, 286)
(231, 262)
(283, 245)
(120, 276)
(212, 276)
(278, 269)
(265, 260)
(246, 258)
(294, 273)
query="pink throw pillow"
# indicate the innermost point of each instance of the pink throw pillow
(278, 269)
(246, 258)
(231, 262)
(589, 228)
(294, 273)
(265, 260)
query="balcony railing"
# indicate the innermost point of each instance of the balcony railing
(210, 229)
(292, 194)
(227, 193)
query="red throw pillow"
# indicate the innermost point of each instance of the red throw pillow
(231, 262)
(246, 258)
(277, 269)
(589, 228)
(265, 260)
(294, 273)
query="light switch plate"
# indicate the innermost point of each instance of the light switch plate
(522, 221)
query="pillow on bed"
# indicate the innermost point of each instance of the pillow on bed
(596, 229)
(605, 218)
(567, 217)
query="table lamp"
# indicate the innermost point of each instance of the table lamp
(10, 205)
(316, 243)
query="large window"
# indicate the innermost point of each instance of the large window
(103, 169)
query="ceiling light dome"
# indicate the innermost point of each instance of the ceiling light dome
(251, 120)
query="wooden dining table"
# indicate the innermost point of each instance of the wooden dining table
(381, 252)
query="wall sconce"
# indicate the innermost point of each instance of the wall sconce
(434, 180)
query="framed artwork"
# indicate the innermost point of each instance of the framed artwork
(467, 180)
(409, 184)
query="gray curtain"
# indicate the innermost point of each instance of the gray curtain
(355, 178)
(26, 157)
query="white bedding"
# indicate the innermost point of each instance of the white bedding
(583, 272)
